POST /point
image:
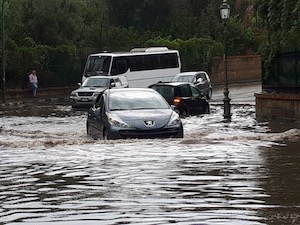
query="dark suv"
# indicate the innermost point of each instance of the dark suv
(187, 98)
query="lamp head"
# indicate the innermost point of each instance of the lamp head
(224, 10)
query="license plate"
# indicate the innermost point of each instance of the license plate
(84, 99)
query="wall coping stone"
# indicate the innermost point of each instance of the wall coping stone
(277, 96)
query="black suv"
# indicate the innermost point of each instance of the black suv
(187, 98)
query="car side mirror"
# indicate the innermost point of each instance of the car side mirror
(98, 111)
(112, 85)
(201, 95)
(79, 84)
(200, 80)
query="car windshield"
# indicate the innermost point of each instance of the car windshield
(97, 65)
(133, 100)
(166, 91)
(96, 82)
(183, 78)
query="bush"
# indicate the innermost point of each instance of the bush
(195, 53)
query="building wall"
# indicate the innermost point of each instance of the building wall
(277, 106)
(239, 69)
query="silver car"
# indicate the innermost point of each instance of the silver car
(93, 87)
(133, 113)
(199, 78)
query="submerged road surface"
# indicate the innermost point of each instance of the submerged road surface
(243, 172)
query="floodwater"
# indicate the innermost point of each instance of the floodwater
(241, 172)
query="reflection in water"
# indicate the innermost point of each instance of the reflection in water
(112, 183)
(282, 183)
(237, 173)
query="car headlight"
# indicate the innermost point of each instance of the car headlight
(73, 94)
(117, 122)
(174, 120)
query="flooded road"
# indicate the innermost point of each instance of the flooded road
(238, 173)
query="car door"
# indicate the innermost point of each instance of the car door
(204, 83)
(198, 101)
(186, 96)
(95, 118)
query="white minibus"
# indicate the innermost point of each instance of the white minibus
(141, 66)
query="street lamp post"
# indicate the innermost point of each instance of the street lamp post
(3, 56)
(225, 12)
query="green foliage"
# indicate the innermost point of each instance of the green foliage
(145, 15)
(241, 40)
(196, 53)
(56, 36)
(280, 22)
(52, 22)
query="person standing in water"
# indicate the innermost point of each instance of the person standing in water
(33, 82)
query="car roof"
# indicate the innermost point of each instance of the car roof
(130, 90)
(174, 84)
(107, 77)
(190, 73)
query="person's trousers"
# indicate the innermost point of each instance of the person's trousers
(34, 88)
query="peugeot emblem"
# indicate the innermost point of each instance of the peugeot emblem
(149, 123)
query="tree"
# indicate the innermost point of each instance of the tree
(142, 15)
(60, 33)
(280, 20)
(52, 22)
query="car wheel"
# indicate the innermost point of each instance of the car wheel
(184, 112)
(180, 133)
(87, 128)
(207, 109)
(88, 131)
(209, 94)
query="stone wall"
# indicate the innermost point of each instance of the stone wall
(239, 69)
(22, 94)
(274, 106)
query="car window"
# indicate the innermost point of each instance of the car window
(117, 82)
(136, 100)
(185, 91)
(95, 82)
(166, 91)
(195, 92)
(99, 102)
(183, 78)
(203, 76)
(119, 66)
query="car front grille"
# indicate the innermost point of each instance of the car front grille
(161, 133)
(85, 94)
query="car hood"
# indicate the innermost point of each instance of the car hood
(91, 89)
(144, 119)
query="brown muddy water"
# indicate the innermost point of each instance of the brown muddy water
(238, 173)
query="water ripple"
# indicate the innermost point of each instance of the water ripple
(52, 173)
